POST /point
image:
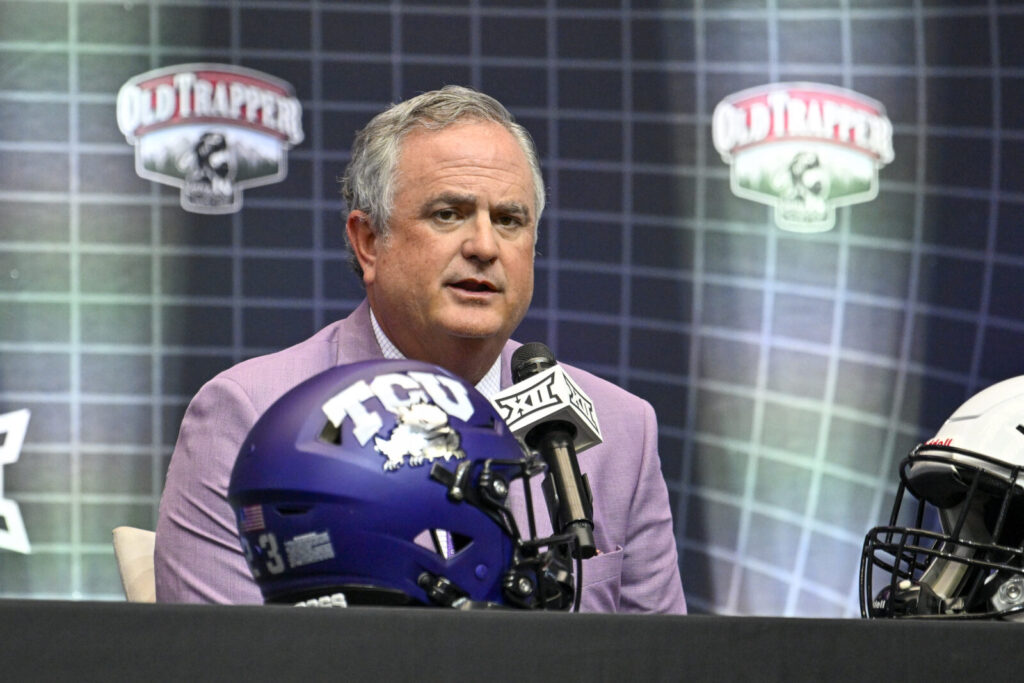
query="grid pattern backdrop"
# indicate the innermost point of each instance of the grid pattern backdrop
(790, 372)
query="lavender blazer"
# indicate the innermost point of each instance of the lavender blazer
(198, 557)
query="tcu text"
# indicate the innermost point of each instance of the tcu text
(395, 390)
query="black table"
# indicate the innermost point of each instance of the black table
(51, 640)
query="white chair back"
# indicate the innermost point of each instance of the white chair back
(133, 550)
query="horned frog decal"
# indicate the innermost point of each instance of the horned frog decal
(423, 434)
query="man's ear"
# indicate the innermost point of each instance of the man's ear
(364, 243)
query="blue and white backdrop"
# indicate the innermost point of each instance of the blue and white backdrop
(796, 335)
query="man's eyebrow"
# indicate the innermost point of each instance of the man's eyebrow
(513, 208)
(451, 199)
(457, 199)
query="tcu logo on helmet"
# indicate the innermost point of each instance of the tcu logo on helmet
(421, 403)
(422, 433)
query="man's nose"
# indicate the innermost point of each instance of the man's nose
(481, 243)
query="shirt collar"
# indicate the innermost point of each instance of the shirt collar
(489, 385)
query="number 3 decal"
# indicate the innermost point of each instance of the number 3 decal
(275, 563)
(267, 543)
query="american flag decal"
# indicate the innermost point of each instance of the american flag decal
(252, 518)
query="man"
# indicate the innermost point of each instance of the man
(445, 193)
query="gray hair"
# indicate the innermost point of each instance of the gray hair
(369, 181)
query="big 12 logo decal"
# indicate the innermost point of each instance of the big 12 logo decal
(13, 427)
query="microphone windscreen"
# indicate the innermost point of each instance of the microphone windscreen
(529, 359)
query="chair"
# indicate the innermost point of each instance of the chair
(133, 550)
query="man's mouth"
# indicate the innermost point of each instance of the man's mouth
(474, 286)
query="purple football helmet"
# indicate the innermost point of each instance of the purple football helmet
(386, 483)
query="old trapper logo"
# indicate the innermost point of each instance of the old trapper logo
(804, 148)
(210, 129)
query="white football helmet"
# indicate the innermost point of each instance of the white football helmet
(963, 554)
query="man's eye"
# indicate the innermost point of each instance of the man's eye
(510, 221)
(446, 215)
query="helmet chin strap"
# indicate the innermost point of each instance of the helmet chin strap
(936, 587)
(952, 585)
(943, 587)
(946, 577)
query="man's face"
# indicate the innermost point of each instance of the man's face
(458, 263)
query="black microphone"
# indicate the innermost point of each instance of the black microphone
(555, 418)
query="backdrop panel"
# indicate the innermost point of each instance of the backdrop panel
(791, 370)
